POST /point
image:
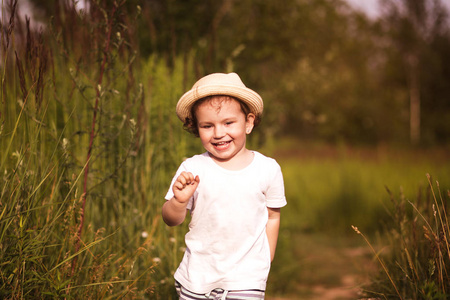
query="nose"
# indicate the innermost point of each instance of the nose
(219, 132)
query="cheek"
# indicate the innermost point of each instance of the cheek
(203, 135)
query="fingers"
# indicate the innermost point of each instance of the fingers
(185, 179)
(185, 186)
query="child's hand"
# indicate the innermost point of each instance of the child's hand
(185, 186)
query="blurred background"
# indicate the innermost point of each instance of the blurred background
(359, 71)
(357, 113)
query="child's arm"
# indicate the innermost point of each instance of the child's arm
(174, 210)
(272, 228)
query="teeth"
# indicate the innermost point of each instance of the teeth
(221, 143)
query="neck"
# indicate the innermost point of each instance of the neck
(238, 162)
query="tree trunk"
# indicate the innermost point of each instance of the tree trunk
(414, 100)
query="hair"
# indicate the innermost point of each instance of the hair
(191, 124)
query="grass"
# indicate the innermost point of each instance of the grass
(335, 187)
(331, 188)
(89, 142)
(86, 158)
(418, 261)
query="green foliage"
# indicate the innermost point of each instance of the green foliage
(416, 263)
(331, 188)
(89, 144)
(89, 137)
(325, 72)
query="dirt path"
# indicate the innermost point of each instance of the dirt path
(330, 270)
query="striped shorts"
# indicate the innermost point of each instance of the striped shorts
(219, 294)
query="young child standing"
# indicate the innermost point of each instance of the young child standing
(234, 195)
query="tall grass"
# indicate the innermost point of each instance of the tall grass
(89, 141)
(415, 257)
(329, 189)
(384, 193)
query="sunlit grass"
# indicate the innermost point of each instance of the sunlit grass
(124, 248)
(331, 188)
(87, 153)
(415, 249)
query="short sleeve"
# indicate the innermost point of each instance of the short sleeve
(275, 196)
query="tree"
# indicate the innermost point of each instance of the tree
(411, 26)
(325, 71)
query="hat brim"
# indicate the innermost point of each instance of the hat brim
(248, 96)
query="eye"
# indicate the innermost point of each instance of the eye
(229, 123)
(205, 126)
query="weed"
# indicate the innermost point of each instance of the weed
(89, 143)
(417, 262)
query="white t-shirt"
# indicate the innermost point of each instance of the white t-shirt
(227, 245)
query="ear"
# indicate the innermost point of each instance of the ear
(249, 123)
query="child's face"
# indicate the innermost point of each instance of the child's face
(223, 128)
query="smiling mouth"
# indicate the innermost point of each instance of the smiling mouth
(221, 144)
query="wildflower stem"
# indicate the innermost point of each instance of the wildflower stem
(444, 225)
(92, 133)
(378, 258)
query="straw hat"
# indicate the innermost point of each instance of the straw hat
(219, 84)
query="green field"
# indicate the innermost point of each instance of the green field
(116, 245)
(89, 141)
(333, 187)
(330, 188)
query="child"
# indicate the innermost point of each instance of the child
(234, 195)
